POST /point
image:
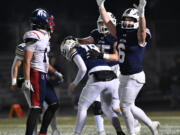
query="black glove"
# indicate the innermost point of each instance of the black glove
(93, 54)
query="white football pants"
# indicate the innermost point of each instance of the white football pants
(89, 94)
(130, 86)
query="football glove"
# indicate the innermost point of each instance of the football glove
(93, 54)
(27, 86)
(100, 3)
(141, 7)
(60, 76)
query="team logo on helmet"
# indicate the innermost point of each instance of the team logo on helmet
(42, 12)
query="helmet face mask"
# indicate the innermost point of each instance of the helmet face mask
(130, 19)
(67, 45)
(42, 19)
(102, 27)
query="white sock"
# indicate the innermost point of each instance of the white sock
(99, 122)
(129, 119)
(80, 120)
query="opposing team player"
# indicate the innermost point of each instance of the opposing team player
(36, 67)
(18, 78)
(101, 80)
(104, 40)
(132, 37)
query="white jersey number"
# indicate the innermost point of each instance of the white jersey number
(105, 48)
(90, 47)
(121, 49)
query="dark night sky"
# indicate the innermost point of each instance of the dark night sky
(82, 9)
(17, 12)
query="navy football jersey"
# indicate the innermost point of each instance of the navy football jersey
(82, 51)
(105, 43)
(130, 52)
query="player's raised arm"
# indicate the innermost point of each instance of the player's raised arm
(86, 40)
(106, 18)
(142, 22)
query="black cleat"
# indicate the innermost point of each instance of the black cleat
(121, 133)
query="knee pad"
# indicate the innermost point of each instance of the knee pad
(53, 107)
(36, 110)
(97, 108)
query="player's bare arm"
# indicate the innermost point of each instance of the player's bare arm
(142, 22)
(111, 57)
(86, 40)
(106, 17)
(14, 72)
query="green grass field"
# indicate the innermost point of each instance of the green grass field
(170, 125)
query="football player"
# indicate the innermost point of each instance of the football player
(36, 66)
(104, 40)
(132, 37)
(17, 80)
(101, 80)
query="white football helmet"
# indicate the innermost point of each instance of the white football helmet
(131, 13)
(66, 46)
(102, 28)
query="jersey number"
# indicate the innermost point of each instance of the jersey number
(44, 60)
(90, 47)
(121, 49)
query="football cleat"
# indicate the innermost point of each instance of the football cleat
(155, 127)
(101, 133)
(121, 133)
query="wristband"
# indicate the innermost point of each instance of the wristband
(106, 56)
(14, 81)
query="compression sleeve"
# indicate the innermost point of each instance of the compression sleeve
(81, 69)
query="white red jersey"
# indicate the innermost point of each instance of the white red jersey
(40, 49)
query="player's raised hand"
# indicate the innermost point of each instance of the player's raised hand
(100, 3)
(27, 86)
(141, 7)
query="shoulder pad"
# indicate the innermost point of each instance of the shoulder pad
(20, 49)
(94, 30)
(31, 35)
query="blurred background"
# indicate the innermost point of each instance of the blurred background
(78, 18)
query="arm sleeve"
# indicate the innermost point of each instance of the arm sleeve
(82, 68)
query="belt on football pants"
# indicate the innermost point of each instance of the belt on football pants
(105, 75)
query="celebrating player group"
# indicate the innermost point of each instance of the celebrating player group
(112, 58)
